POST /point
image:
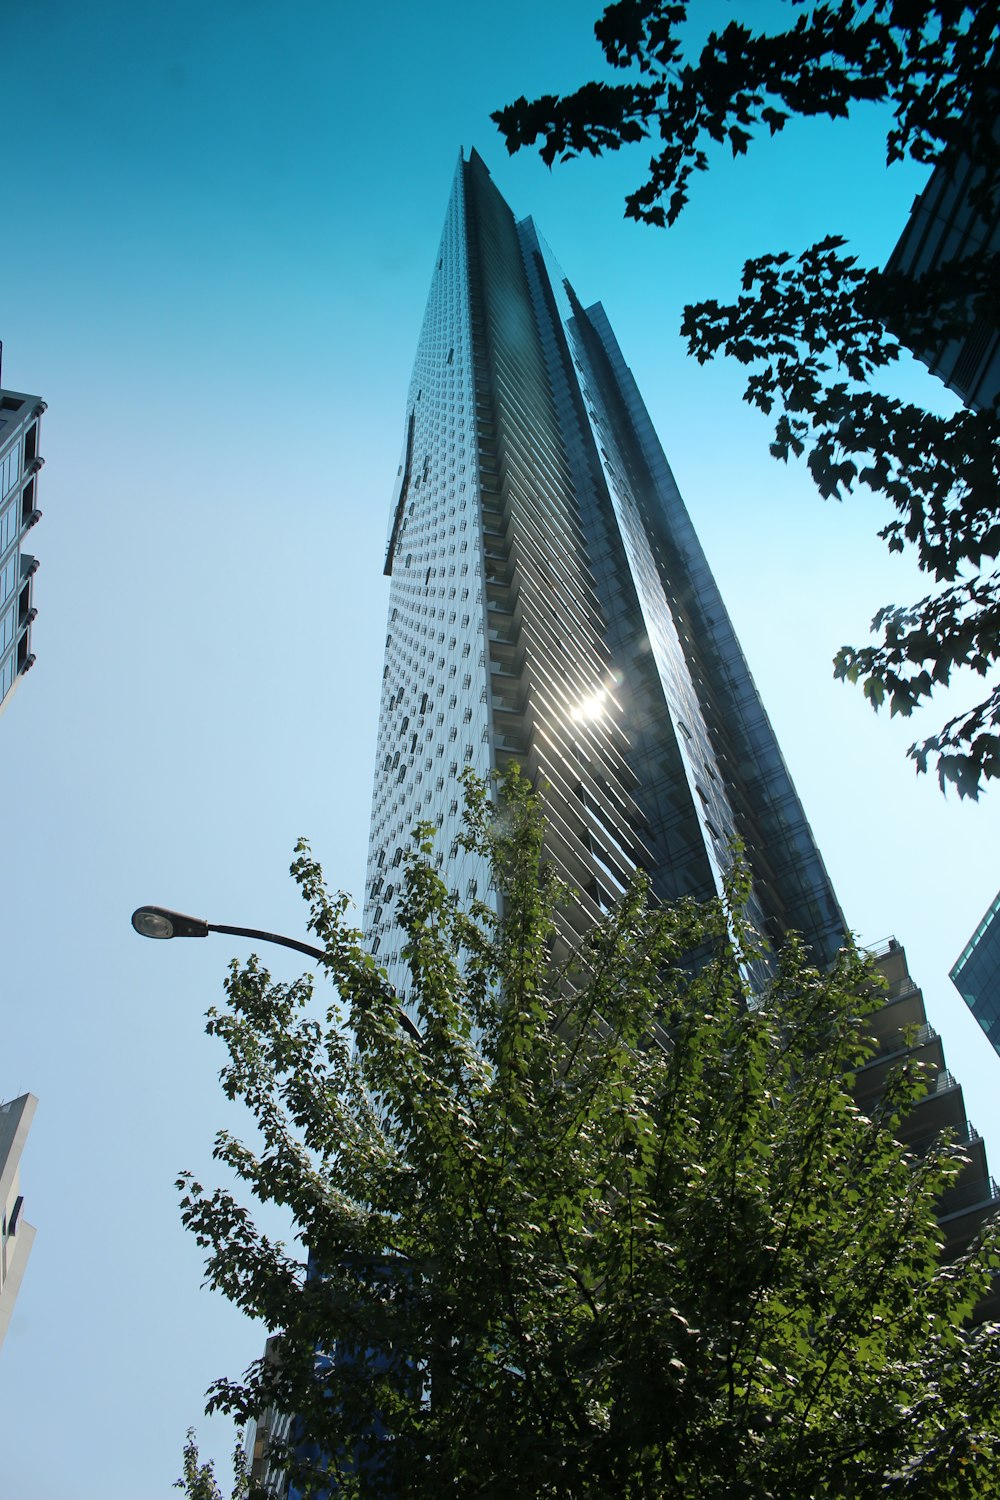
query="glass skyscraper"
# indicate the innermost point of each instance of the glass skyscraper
(20, 418)
(550, 602)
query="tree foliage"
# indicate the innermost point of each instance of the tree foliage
(612, 1227)
(813, 327)
(198, 1481)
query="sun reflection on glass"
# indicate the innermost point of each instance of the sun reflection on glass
(590, 709)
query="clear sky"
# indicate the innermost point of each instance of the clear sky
(221, 221)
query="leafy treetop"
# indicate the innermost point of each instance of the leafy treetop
(612, 1227)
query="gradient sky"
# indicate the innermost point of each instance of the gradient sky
(221, 224)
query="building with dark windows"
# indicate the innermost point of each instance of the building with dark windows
(16, 1234)
(550, 602)
(20, 418)
(949, 221)
(976, 973)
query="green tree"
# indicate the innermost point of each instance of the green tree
(198, 1480)
(813, 327)
(612, 1227)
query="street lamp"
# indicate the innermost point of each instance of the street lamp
(161, 922)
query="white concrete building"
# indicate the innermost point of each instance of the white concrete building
(16, 1235)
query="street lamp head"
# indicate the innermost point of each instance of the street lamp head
(159, 922)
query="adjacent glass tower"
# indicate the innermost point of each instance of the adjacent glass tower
(550, 602)
(976, 973)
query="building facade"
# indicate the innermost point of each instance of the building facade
(16, 1235)
(20, 461)
(900, 1030)
(950, 222)
(976, 973)
(550, 602)
(271, 1426)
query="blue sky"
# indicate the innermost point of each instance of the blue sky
(221, 221)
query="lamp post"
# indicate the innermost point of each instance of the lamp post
(160, 922)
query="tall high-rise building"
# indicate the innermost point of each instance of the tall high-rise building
(20, 418)
(550, 602)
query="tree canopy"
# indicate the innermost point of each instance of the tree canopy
(614, 1226)
(813, 327)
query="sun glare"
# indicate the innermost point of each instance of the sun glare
(590, 709)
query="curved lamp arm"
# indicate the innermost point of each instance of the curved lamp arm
(161, 922)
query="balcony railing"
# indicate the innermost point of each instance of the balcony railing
(901, 1043)
(504, 636)
(963, 1134)
(514, 744)
(983, 1193)
(899, 987)
(883, 946)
